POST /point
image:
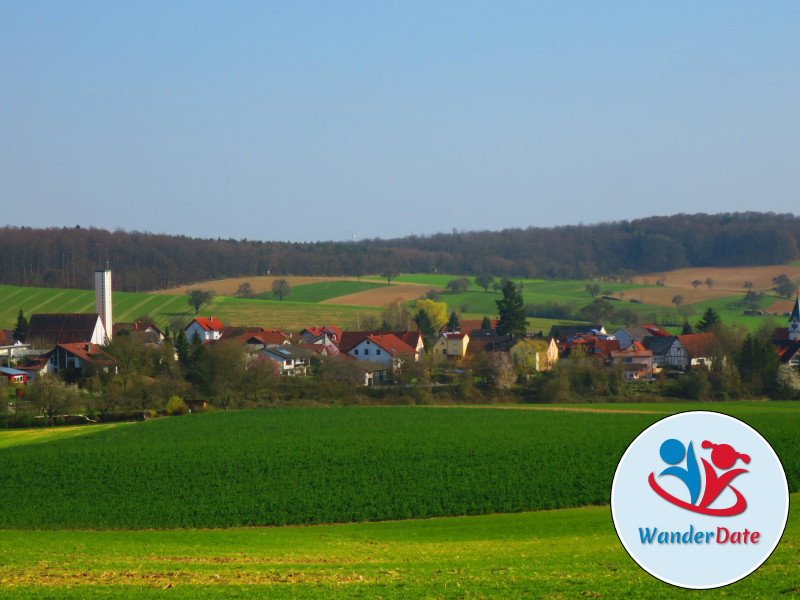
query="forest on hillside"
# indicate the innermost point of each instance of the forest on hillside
(68, 257)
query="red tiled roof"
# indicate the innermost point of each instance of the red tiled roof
(332, 332)
(392, 344)
(698, 344)
(88, 352)
(209, 323)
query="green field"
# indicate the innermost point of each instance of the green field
(168, 309)
(322, 465)
(318, 292)
(220, 468)
(315, 465)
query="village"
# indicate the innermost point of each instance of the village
(82, 349)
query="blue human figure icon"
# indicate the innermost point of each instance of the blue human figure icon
(672, 452)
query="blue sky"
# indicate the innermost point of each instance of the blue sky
(311, 121)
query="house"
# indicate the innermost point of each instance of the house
(595, 347)
(635, 360)
(534, 354)
(628, 335)
(14, 375)
(451, 345)
(565, 332)
(321, 335)
(386, 349)
(691, 350)
(350, 339)
(51, 329)
(290, 360)
(470, 325)
(207, 329)
(81, 357)
(36, 366)
(659, 346)
(371, 372)
(141, 330)
(11, 350)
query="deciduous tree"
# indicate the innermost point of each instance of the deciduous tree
(281, 288)
(198, 298)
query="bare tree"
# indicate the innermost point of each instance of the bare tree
(52, 396)
(677, 299)
(696, 283)
(709, 282)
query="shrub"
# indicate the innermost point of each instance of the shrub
(176, 406)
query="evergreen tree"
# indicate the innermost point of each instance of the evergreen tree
(425, 327)
(182, 346)
(21, 330)
(707, 321)
(486, 323)
(687, 328)
(453, 324)
(511, 309)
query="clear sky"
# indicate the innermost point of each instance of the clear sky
(322, 120)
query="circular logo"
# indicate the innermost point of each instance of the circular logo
(699, 500)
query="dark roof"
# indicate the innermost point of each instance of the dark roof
(62, 328)
(786, 349)
(568, 331)
(657, 344)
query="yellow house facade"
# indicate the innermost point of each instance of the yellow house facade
(451, 344)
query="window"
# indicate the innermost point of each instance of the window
(355, 351)
(366, 352)
(378, 351)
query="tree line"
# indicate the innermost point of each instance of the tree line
(67, 257)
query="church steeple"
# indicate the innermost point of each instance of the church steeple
(794, 321)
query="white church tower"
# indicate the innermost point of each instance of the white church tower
(794, 321)
(102, 299)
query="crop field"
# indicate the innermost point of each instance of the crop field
(318, 465)
(319, 292)
(167, 309)
(315, 465)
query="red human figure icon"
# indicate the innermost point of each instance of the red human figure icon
(724, 457)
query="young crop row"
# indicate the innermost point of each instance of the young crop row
(304, 466)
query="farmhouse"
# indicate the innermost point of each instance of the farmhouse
(691, 350)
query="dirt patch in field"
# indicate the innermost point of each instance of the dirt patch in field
(228, 287)
(725, 278)
(383, 296)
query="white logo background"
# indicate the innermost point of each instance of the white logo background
(635, 505)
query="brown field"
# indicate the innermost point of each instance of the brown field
(725, 278)
(727, 281)
(383, 296)
(228, 287)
